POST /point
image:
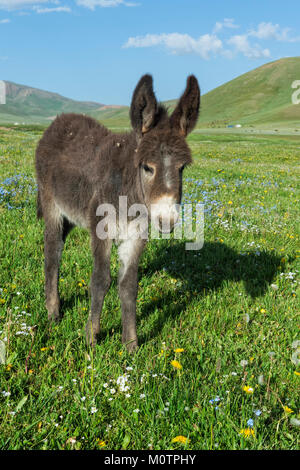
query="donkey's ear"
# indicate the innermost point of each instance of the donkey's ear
(143, 109)
(185, 115)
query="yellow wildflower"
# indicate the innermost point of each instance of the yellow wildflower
(178, 350)
(287, 409)
(101, 443)
(176, 364)
(247, 432)
(181, 439)
(248, 389)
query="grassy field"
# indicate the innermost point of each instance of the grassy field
(218, 363)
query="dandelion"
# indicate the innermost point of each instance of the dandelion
(178, 350)
(261, 379)
(101, 443)
(181, 439)
(176, 364)
(248, 432)
(288, 410)
(248, 389)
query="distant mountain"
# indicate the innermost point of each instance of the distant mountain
(260, 97)
(31, 105)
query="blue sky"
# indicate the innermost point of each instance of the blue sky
(97, 49)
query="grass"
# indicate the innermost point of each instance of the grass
(218, 328)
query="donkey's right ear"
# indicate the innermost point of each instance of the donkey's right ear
(143, 109)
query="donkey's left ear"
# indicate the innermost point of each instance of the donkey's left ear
(185, 115)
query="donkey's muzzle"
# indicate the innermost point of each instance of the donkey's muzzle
(164, 215)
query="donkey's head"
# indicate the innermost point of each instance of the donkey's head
(162, 152)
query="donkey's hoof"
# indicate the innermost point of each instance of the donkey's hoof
(54, 317)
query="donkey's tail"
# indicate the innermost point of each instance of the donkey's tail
(39, 210)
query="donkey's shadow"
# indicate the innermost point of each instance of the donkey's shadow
(199, 272)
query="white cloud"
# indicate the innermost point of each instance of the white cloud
(37, 5)
(226, 23)
(177, 43)
(52, 10)
(272, 31)
(91, 4)
(241, 44)
(18, 4)
(5, 20)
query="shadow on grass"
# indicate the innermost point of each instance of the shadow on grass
(204, 271)
(199, 272)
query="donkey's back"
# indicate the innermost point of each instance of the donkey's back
(68, 158)
(71, 135)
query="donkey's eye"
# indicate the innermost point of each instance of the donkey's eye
(148, 169)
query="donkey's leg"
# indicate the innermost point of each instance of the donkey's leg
(100, 283)
(56, 230)
(129, 254)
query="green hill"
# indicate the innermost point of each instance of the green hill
(261, 97)
(30, 105)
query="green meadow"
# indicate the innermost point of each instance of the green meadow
(218, 364)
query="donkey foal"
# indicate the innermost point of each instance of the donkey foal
(81, 165)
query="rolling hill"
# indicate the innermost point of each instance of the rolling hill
(261, 97)
(29, 105)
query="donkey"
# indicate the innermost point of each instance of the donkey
(81, 165)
